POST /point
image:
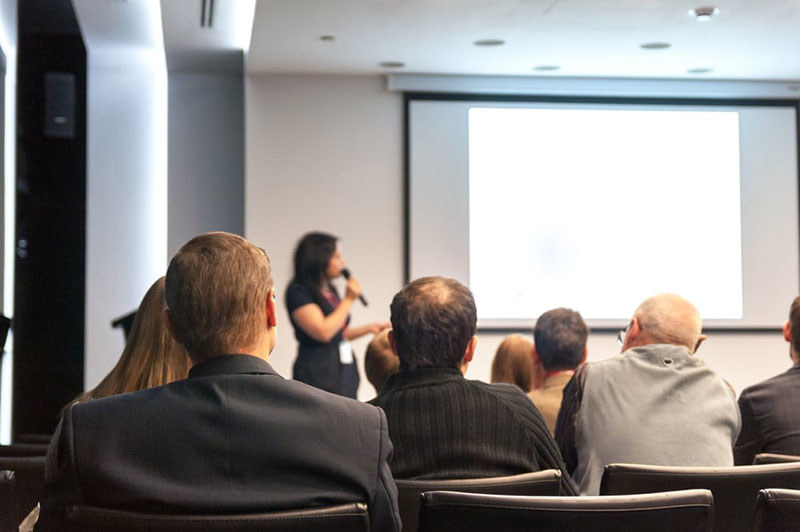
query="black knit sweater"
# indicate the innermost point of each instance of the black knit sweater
(445, 426)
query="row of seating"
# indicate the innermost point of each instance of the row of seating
(734, 489)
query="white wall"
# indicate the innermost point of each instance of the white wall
(206, 154)
(325, 152)
(126, 193)
(8, 41)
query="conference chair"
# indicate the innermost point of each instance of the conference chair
(8, 502)
(772, 458)
(734, 488)
(29, 480)
(547, 482)
(777, 510)
(679, 511)
(342, 518)
(24, 449)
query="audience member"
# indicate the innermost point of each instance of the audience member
(770, 414)
(513, 363)
(234, 437)
(443, 425)
(559, 347)
(656, 403)
(379, 360)
(151, 357)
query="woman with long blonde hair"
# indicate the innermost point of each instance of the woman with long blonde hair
(151, 357)
(513, 363)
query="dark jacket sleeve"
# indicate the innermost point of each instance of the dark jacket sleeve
(60, 484)
(749, 442)
(383, 509)
(567, 415)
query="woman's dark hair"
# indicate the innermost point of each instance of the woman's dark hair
(311, 258)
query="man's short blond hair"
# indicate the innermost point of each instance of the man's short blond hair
(216, 293)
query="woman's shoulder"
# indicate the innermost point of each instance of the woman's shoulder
(298, 295)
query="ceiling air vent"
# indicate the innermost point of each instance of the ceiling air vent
(207, 14)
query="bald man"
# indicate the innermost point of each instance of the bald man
(654, 404)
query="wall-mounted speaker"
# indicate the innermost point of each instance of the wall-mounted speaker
(59, 105)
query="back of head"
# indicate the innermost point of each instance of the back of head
(216, 293)
(794, 324)
(669, 319)
(151, 357)
(433, 320)
(513, 362)
(560, 338)
(379, 360)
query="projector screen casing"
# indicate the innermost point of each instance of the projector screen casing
(437, 203)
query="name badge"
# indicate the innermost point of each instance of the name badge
(345, 353)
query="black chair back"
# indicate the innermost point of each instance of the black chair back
(342, 518)
(24, 449)
(680, 511)
(734, 488)
(8, 503)
(777, 511)
(34, 438)
(772, 458)
(29, 477)
(547, 482)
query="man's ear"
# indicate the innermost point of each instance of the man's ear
(634, 330)
(173, 331)
(392, 343)
(470, 351)
(787, 331)
(535, 356)
(272, 319)
(700, 340)
(585, 354)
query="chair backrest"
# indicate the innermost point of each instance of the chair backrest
(772, 458)
(29, 478)
(734, 488)
(343, 518)
(777, 510)
(8, 503)
(680, 511)
(24, 449)
(547, 482)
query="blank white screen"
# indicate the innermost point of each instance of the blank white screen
(597, 206)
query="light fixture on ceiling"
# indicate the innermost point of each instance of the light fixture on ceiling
(391, 64)
(655, 45)
(700, 70)
(327, 38)
(546, 68)
(489, 42)
(703, 14)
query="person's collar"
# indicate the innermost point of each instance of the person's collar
(231, 364)
(420, 377)
(660, 350)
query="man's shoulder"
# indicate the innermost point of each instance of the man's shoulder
(508, 393)
(786, 382)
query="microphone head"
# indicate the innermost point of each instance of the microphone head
(345, 273)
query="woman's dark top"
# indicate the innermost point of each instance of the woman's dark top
(318, 363)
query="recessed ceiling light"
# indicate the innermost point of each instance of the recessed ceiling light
(391, 64)
(701, 70)
(655, 45)
(703, 14)
(489, 42)
(546, 68)
(327, 38)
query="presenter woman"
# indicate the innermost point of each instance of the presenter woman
(321, 318)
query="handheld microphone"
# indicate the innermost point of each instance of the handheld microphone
(346, 275)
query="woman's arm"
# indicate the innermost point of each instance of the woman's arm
(352, 333)
(320, 327)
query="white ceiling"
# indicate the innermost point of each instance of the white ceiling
(748, 39)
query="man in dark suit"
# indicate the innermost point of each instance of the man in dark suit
(770, 413)
(235, 437)
(443, 425)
